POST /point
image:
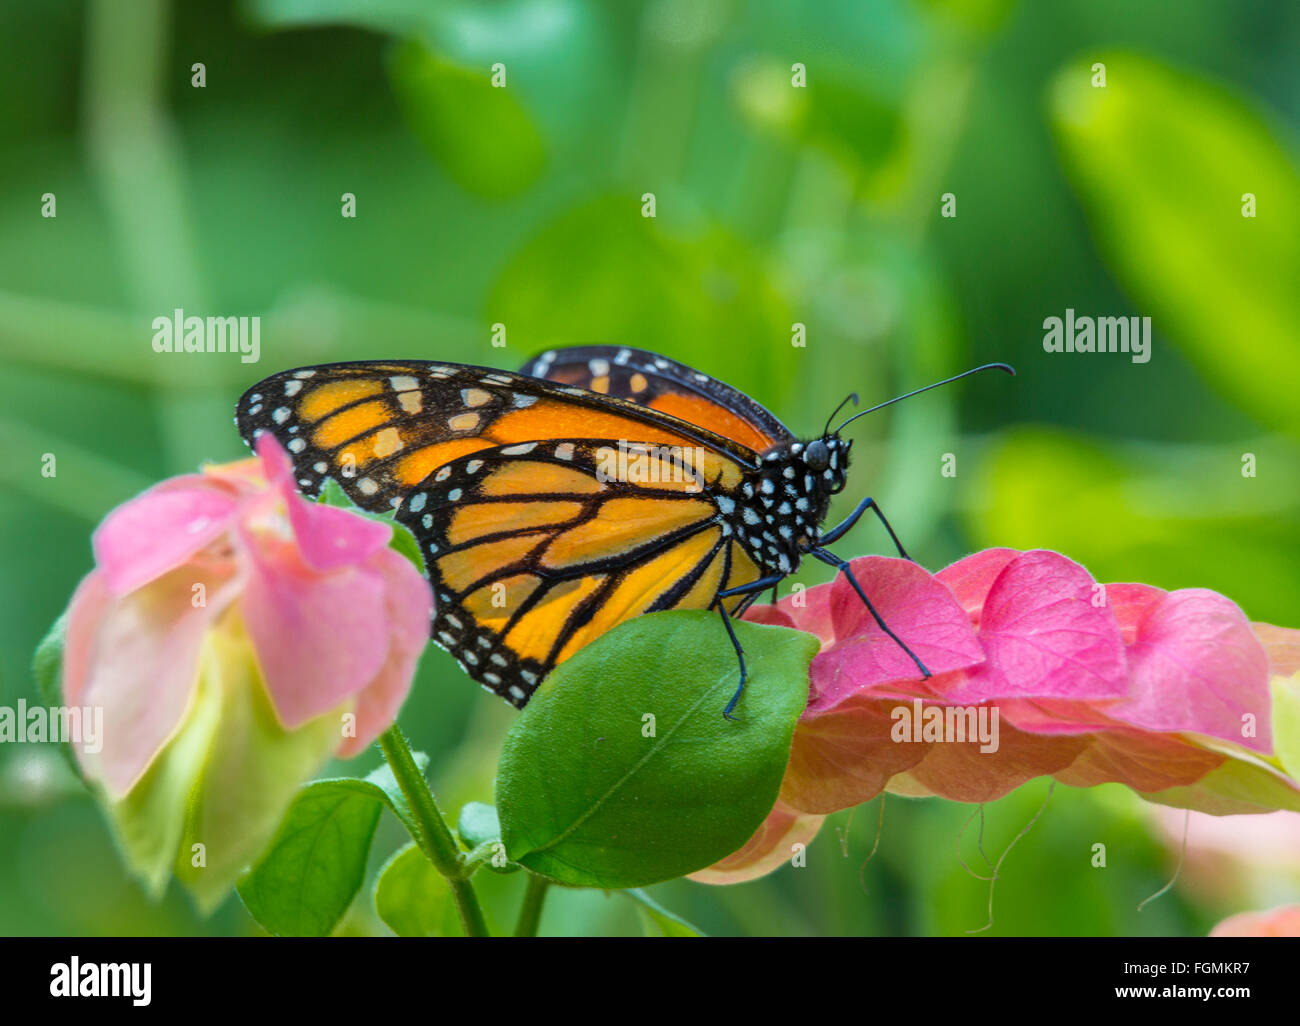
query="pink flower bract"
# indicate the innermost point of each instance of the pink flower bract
(334, 615)
(1092, 683)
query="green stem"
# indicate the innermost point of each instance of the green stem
(530, 913)
(431, 832)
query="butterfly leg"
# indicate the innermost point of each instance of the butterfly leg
(833, 560)
(839, 530)
(753, 587)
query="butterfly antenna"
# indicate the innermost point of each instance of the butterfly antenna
(956, 377)
(851, 396)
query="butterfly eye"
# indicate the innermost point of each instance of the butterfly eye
(817, 455)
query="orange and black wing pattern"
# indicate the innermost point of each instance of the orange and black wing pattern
(380, 428)
(666, 386)
(549, 506)
(535, 549)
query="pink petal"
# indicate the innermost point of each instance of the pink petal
(961, 772)
(1145, 762)
(770, 615)
(320, 638)
(917, 608)
(845, 756)
(1045, 637)
(806, 610)
(136, 657)
(329, 537)
(161, 528)
(408, 602)
(1131, 603)
(970, 579)
(1282, 645)
(1197, 666)
(1283, 921)
(1057, 715)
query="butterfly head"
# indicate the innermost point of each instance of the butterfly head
(827, 460)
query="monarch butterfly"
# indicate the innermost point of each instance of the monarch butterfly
(549, 505)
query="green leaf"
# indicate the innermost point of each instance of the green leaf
(332, 494)
(481, 135)
(47, 668)
(383, 779)
(413, 898)
(1286, 722)
(317, 862)
(478, 824)
(622, 771)
(658, 921)
(1163, 160)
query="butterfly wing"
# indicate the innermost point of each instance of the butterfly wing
(536, 549)
(380, 428)
(664, 385)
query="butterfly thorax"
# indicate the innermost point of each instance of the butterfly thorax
(779, 509)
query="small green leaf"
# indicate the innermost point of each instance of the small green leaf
(47, 667)
(622, 770)
(317, 862)
(658, 921)
(383, 779)
(414, 899)
(332, 494)
(1286, 722)
(478, 824)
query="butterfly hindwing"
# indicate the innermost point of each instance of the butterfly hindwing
(535, 549)
(381, 428)
(664, 385)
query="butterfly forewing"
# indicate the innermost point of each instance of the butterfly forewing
(536, 549)
(380, 428)
(664, 385)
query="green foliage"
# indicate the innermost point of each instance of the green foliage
(1164, 161)
(622, 771)
(304, 884)
(478, 824)
(762, 221)
(657, 920)
(413, 899)
(480, 134)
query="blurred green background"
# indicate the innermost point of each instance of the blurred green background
(775, 205)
